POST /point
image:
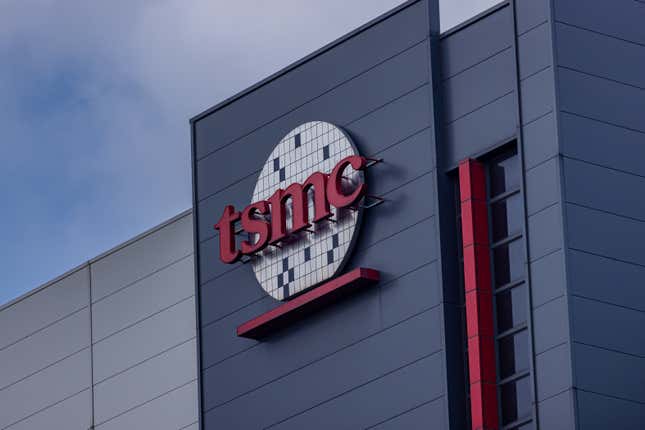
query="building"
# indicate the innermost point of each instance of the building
(503, 227)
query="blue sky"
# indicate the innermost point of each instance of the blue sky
(95, 99)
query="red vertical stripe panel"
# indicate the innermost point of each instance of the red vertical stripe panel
(479, 296)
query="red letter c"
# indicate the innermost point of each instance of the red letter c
(334, 186)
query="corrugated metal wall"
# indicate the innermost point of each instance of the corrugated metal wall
(342, 367)
(600, 51)
(110, 344)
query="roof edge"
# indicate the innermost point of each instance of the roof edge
(303, 60)
(87, 263)
(337, 42)
(470, 21)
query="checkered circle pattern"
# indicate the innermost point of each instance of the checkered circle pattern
(310, 257)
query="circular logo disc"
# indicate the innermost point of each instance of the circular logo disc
(310, 257)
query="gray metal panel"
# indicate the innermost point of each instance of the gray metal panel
(531, 13)
(171, 411)
(386, 398)
(290, 90)
(608, 326)
(550, 324)
(143, 299)
(403, 162)
(478, 86)
(217, 302)
(602, 143)
(475, 43)
(405, 206)
(46, 388)
(542, 186)
(605, 189)
(74, 413)
(606, 280)
(557, 412)
(394, 79)
(593, 408)
(626, 20)
(44, 348)
(382, 353)
(537, 98)
(547, 278)
(43, 308)
(479, 131)
(601, 99)
(431, 412)
(296, 350)
(553, 371)
(540, 142)
(621, 61)
(545, 232)
(613, 236)
(146, 339)
(410, 294)
(142, 258)
(220, 341)
(534, 50)
(609, 372)
(137, 386)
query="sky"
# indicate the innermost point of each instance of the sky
(95, 98)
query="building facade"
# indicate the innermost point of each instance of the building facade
(497, 241)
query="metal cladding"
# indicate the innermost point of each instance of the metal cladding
(506, 291)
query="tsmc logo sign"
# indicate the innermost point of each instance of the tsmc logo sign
(327, 191)
(304, 213)
(298, 231)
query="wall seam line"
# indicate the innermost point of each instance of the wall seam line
(318, 359)
(91, 315)
(601, 33)
(521, 122)
(36, 372)
(165, 393)
(47, 407)
(405, 412)
(624, 127)
(602, 166)
(293, 109)
(45, 327)
(357, 387)
(604, 78)
(563, 210)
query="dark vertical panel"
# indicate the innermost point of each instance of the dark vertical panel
(382, 98)
(593, 407)
(599, 47)
(606, 279)
(620, 18)
(621, 60)
(610, 373)
(557, 412)
(618, 330)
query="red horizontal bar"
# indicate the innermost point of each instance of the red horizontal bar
(307, 303)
